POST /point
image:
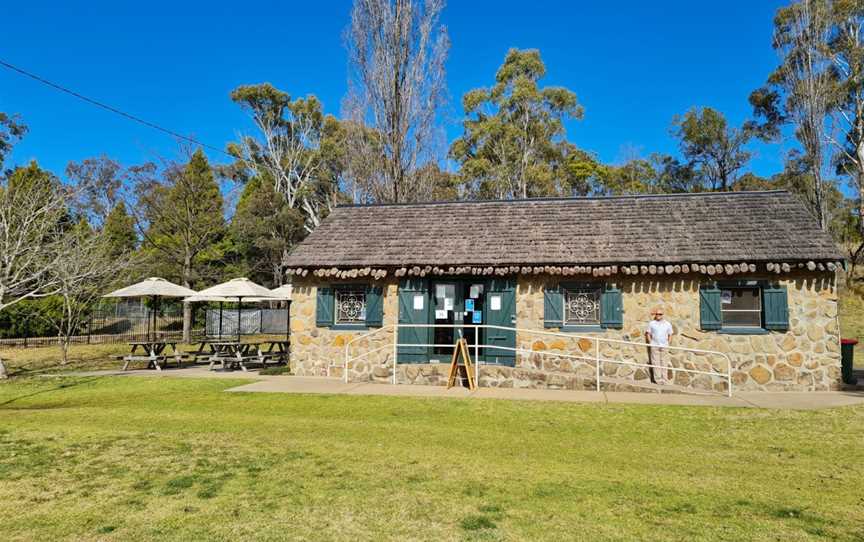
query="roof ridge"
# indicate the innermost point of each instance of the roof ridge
(570, 198)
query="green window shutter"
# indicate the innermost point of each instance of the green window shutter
(553, 307)
(611, 308)
(374, 306)
(775, 308)
(709, 307)
(324, 307)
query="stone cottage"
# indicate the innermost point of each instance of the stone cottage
(551, 292)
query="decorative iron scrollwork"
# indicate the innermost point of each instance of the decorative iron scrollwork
(350, 306)
(582, 306)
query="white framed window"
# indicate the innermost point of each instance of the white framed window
(350, 306)
(741, 307)
(582, 305)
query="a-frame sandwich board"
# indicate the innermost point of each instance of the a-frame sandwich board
(460, 350)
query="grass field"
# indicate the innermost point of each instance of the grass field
(140, 458)
(23, 362)
(852, 321)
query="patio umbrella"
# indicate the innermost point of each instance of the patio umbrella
(236, 289)
(154, 288)
(284, 292)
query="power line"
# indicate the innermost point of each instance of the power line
(111, 109)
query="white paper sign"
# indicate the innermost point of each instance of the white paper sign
(476, 289)
(418, 302)
(448, 304)
(726, 297)
(440, 314)
(440, 291)
(495, 303)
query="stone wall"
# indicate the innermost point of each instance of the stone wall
(313, 348)
(805, 358)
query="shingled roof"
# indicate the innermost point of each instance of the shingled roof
(673, 228)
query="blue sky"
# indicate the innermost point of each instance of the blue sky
(632, 64)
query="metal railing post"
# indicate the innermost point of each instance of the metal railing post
(477, 355)
(728, 377)
(344, 366)
(395, 349)
(597, 361)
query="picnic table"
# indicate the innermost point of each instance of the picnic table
(234, 354)
(153, 352)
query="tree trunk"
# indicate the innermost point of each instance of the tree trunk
(64, 349)
(3, 374)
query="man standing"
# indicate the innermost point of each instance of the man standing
(658, 333)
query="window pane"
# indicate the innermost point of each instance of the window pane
(741, 307)
(742, 319)
(741, 299)
(350, 306)
(582, 306)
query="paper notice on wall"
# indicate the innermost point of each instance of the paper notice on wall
(495, 302)
(448, 304)
(440, 314)
(418, 302)
(469, 304)
(477, 317)
(475, 291)
(440, 291)
(726, 297)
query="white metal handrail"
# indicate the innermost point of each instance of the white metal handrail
(596, 358)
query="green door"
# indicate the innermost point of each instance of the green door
(414, 308)
(500, 305)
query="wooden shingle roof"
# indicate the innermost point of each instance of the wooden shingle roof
(680, 228)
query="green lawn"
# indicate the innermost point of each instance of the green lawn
(133, 458)
(852, 321)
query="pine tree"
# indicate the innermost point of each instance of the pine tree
(119, 231)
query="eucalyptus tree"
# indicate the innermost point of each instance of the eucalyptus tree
(102, 182)
(396, 89)
(801, 91)
(514, 144)
(293, 149)
(846, 50)
(714, 150)
(11, 131)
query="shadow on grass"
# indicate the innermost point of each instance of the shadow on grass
(60, 386)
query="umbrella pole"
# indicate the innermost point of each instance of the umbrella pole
(220, 320)
(239, 308)
(288, 320)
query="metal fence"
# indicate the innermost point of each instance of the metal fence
(130, 322)
(252, 322)
(102, 329)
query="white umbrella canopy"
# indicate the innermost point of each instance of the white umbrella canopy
(234, 290)
(239, 290)
(152, 287)
(284, 292)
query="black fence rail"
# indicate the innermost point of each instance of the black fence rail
(110, 328)
(107, 327)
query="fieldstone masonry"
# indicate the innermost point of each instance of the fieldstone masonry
(806, 358)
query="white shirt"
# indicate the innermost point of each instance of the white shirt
(659, 332)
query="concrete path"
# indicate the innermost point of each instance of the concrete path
(335, 386)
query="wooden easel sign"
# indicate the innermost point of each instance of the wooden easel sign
(464, 371)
